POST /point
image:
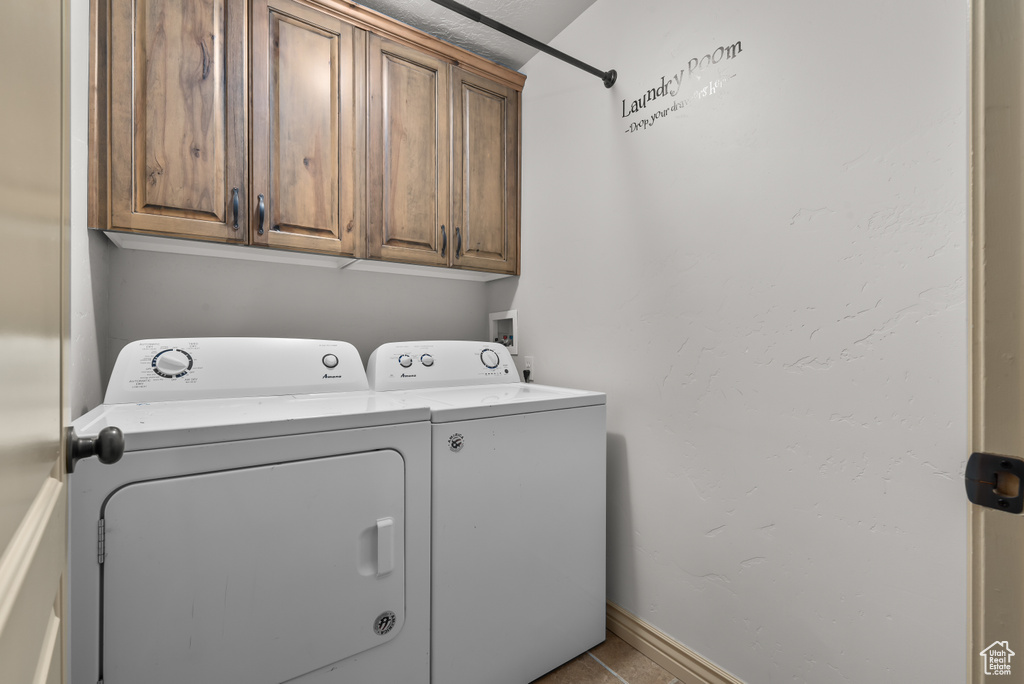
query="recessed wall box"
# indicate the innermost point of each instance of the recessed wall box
(504, 329)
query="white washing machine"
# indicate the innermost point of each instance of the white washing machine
(518, 511)
(269, 521)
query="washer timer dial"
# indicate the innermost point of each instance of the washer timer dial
(172, 363)
(489, 358)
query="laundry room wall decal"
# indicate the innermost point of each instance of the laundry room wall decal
(669, 94)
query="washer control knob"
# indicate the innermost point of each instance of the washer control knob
(405, 360)
(330, 360)
(172, 363)
(427, 360)
(489, 357)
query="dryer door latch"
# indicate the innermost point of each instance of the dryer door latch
(994, 481)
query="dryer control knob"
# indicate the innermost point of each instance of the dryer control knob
(330, 360)
(427, 360)
(489, 358)
(172, 363)
(405, 360)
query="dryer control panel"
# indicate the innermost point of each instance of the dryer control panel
(226, 367)
(449, 363)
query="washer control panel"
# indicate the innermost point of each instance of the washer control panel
(225, 367)
(451, 363)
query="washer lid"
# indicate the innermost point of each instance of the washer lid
(468, 403)
(204, 421)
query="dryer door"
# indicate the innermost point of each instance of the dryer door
(253, 576)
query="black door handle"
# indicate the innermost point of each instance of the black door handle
(262, 213)
(234, 204)
(444, 241)
(108, 446)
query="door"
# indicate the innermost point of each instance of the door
(253, 576)
(177, 126)
(34, 141)
(485, 174)
(308, 130)
(408, 157)
(997, 323)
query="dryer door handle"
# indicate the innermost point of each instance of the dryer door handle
(385, 546)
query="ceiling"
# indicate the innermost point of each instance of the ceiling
(539, 19)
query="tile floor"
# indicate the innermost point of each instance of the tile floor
(612, 662)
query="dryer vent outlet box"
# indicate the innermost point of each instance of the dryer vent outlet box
(504, 329)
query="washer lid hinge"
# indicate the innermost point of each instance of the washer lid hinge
(101, 544)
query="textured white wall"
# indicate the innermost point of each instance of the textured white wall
(164, 295)
(770, 285)
(89, 250)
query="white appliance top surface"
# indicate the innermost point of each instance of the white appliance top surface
(449, 404)
(204, 421)
(172, 369)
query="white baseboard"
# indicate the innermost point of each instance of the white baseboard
(687, 666)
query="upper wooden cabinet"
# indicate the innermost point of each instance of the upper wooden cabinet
(443, 163)
(306, 125)
(177, 117)
(408, 155)
(485, 174)
(308, 129)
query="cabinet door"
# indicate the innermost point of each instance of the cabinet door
(485, 174)
(408, 158)
(177, 129)
(308, 112)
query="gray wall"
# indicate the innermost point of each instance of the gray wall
(770, 285)
(163, 295)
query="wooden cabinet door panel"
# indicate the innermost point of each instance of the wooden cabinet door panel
(485, 162)
(408, 156)
(178, 117)
(307, 129)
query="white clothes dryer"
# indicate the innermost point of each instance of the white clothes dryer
(518, 511)
(268, 522)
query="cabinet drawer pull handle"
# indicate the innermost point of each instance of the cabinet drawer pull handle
(234, 204)
(261, 214)
(444, 241)
(458, 242)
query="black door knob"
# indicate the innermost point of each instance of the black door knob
(107, 446)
